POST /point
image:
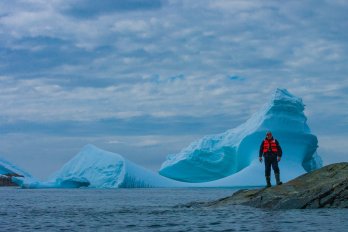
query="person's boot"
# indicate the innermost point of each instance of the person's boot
(268, 180)
(277, 177)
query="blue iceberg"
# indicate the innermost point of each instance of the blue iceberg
(17, 174)
(95, 168)
(7, 168)
(229, 159)
(217, 156)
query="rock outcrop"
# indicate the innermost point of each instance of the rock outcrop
(326, 187)
(6, 180)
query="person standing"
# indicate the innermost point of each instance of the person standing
(272, 153)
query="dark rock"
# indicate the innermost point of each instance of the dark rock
(6, 181)
(326, 187)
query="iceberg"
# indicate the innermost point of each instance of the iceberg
(7, 168)
(95, 168)
(229, 159)
(232, 154)
(14, 173)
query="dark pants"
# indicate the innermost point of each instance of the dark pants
(271, 160)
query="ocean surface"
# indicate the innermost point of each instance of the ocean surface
(150, 210)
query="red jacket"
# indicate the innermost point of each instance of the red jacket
(270, 146)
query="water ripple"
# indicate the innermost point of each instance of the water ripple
(150, 210)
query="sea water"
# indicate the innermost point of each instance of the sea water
(150, 210)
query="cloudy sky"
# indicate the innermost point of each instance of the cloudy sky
(146, 78)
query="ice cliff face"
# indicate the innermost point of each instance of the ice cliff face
(217, 156)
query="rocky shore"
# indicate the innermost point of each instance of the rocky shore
(326, 187)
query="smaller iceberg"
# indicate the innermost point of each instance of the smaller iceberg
(91, 167)
(95, 168)
(6, 168)
(14, 174)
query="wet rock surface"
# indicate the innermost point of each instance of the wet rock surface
(326, 187)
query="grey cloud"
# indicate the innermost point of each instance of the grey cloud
(135, 126)
(90, 8)
(39, 55)
(108, 70)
